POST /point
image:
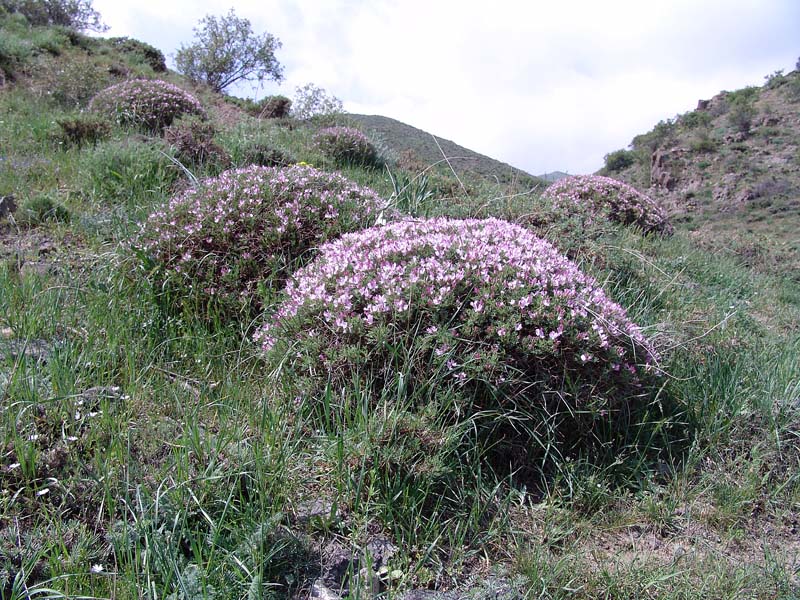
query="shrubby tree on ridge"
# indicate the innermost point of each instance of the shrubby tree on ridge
(226, 51)
(77, 14)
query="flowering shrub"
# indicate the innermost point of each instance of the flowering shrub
(592, 195)
(482, 307)
(346, 145)
(148, 103)
(217, 241)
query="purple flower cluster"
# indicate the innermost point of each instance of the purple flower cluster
(149, 103)
(345, 145)
(491, 301)
(219, 240)
(617, 201)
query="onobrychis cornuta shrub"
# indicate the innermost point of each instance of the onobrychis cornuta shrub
(148, 103)
(218, 241)
(592, 195)
(483, 307)
(346, 146)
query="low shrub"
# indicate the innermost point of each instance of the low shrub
(193, 142)
(593, 196)
(346, 146)
(148, 103)
(149, 54)
(216, 243)
(83, 129)
(619, 160)
(264, 154)
(482, 310)
(273, 107)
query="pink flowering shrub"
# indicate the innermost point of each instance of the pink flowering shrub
(216, 242)
(149, 103)
(483, 308)
(346, 146)
(594, 195)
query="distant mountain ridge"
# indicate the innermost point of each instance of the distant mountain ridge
(400, 137)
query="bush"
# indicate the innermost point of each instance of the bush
(273, 107)
(482, 310)
(149, 54)
(83, 129)
(265, 155)
(741, 114)
(346, 146)
(193, 142)
(217, 242)
(313, 101)
(695, 118)
(150, 104)
(619, 160)
(592, 196)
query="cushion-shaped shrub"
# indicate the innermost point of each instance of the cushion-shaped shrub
(273, 107)
(483, 309)
(346, 146)
(218, 241)
(595, 195)
(148, 103)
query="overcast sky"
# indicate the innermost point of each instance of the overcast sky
(543, 86)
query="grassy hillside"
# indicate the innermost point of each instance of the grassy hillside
(730, 171)
(429, 149)
(151, 448)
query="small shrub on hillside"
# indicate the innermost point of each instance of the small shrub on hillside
(193, 142)
(619, 160)
(346, 146)
(741, 114)
(83, 129)
(217, 242)
(593, 196)
(695, 118)
(273, 107)
(480, 310)
(150, 104)
(75, 14)
(312, 101)
(149, 54)
(703, 143)
(265, 155)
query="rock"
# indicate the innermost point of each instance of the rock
(703, 104)
(380, 550)
(660, 172)
(37, 350)
(8, 205)
(318, 508)
(322, 592)
(91, 398)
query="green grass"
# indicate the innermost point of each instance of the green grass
(177, 463)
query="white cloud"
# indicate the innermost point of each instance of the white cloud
(543, 86)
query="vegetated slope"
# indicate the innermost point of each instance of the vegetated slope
(554, 176)
(729, 171)
(402, 138)
(146, 448)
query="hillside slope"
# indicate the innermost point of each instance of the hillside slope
(402, 138)
(729, 171)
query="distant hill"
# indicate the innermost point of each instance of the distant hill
(400, 137)
(729, 172)
(554, 176)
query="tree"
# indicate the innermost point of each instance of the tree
(227, 51)
(312, 101)
(75, 14)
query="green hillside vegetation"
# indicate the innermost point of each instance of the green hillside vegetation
(730, 171)
(231, 366)
(411, 145)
